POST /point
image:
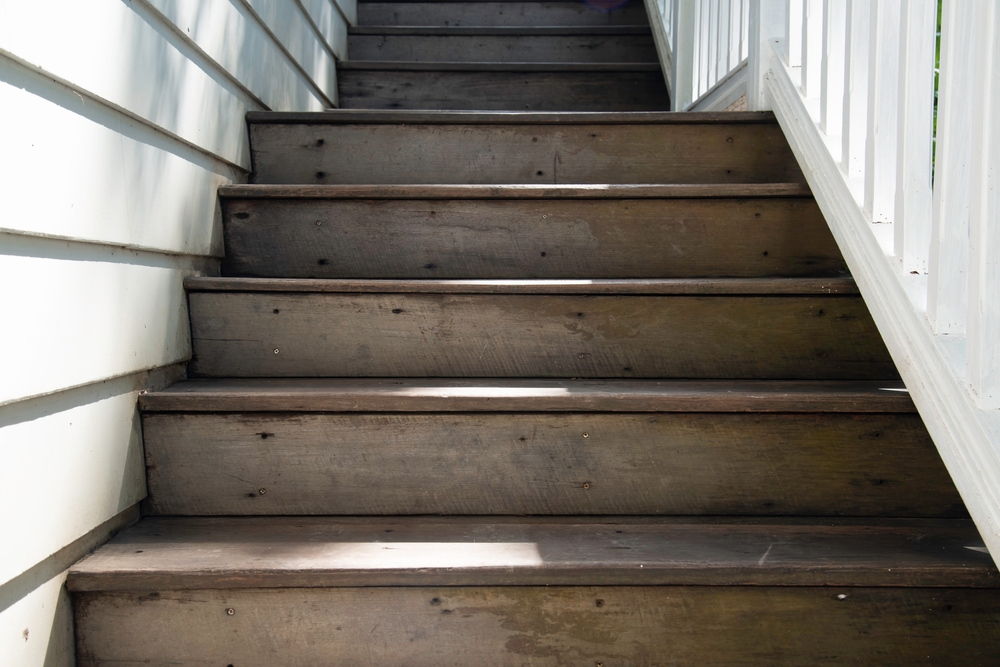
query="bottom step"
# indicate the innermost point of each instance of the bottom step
(475, 591)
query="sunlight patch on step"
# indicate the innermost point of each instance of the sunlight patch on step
(484, 392)
(403, 555)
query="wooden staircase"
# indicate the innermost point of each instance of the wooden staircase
(553, 387)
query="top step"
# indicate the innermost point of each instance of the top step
(491, 148)
(527, 13)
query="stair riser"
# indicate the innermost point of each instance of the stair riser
(537, 464)
(472, 14)
(351, 238)
(504, 49)
(503, 91)
(519, 154)
(490, 335)
(607, 625)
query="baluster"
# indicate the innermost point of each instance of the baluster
(723, 40)
(912, 225)
(948, 263)
(831, 112)
(812, 47)
(983, 333)
(855, 130)
(883, 100)
(684, 53)
(793, 32)
(766, 22)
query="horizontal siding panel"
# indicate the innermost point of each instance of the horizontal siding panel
(238, 44)
(105, 48)
(291, 26)
(71, 462)
(125, 190)
(87, 313)
(330, 23)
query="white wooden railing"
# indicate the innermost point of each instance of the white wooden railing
(703, 45)
(852, 85)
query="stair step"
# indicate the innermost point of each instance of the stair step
(336, 231)
(602, 44)
(297, 591)
(306, 552)
(488, 395)
(406, 147)
(337, 446)
(502, 86)
(711, 329)
(537, 463)
(526, 14)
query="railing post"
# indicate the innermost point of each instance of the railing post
(912, 224)
(684, 39)
(948, 263)
(832, 94)
(983, 326)
(767, 22)
(883, 97)
(812, 47)
(855, 131)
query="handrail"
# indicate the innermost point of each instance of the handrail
(703, 46)
(852, 84)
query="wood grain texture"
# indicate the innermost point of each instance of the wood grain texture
(186, 554)
(473, 117)
(470, 45)
(524, 463)
(527, 14)
(535, 191)
(508, 335)
(593, 89)
(485, 395)
(542, 626)
(545, 154)
(590, 287)
(625, 238)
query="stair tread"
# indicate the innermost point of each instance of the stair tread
(511, 31)
(453, 66)
(447, 117)
(258, 552)
(623, 287)
(497, 395)
(515, 191)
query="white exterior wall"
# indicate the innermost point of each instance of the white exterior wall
(119, 119)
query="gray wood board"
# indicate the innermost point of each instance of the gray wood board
(473, 117)
(599, 90)
(484, 395)
(278, 552)
(540, 626)
(526, 14)
(530, 463)
(561, 286)
(466, 47)
(277, 334)
(483, 154)
(741, 191)
(517, 238)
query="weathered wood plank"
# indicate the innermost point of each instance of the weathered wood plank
(619, 89)
(625, 238)
(477, 44)
(527, 14)
(535, 191)
(524, 463)
(509, 335)
(485, 395)
(590, 287)
(472, 117)
(183, 554)
(485, 154)
(606, 625)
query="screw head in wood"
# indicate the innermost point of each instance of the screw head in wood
(276, 350)
(586, 435)
(586, 485)
(262, 491)
(230, 611)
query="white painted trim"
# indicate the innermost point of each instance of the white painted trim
(963, 433)
(662, 42)
(729, 89)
